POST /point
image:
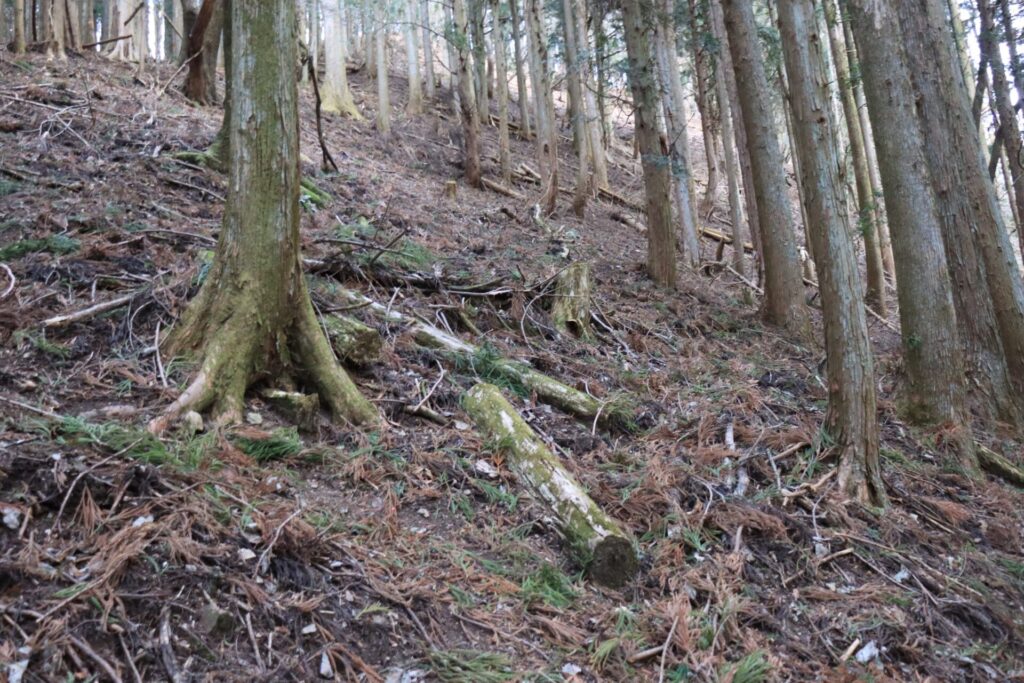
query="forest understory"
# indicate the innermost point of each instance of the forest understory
(293, 549)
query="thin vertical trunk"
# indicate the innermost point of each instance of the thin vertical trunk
(522, 92)
(867, 208)
(203, 45)
(477, 17)
(732, 172)
(578, 112)
(19, 27)
(639, 18)
(55, 40)
(336, 97)
(674, 103)
(1008, 123)
(784, 293)
(592, 121)
(370, 30)
(414, 105)
(960, 37)
(547, 132)
(381, 59)
(705, 105)
(851, 421)
(467, 103)
(427, 38)
(884, 238)
(501, 71)
(453, 60)
(1010, 38)
(935, 389)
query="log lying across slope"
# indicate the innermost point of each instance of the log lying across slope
(598, 541)
(548, 390)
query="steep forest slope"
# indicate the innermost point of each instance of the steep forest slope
(411, 553)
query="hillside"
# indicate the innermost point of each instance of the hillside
(411, 553)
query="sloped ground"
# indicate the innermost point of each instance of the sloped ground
(410, 554)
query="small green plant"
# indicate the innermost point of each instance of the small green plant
(131, 442)
(497, 495)
(279, 444)
(602, 652)
(56, 244)
(471, 666)
(754, 668)
(550, 586)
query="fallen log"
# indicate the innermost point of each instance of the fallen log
(600, 544)
(501, 189)
(615, 414)
(995, 464)
(570, 311)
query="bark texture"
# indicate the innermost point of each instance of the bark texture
(783, 302)
(851, 418)
(253, 319)
(638, 17)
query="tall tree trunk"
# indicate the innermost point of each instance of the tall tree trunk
(467, 97)
(314, 34)
(638, 17)
(935, 389)
(427, 38)
(851, 418)
(884, 238)
(370, 29)
(784, 293)
(1010, 38)
(960, 37)
(1008, 124)
(732, 172)
(19, 27)
(988, 291)
(414, 106)
(592, 120)
(544, 110)
(203, 44)
(705, 103)
(674, 102)
(253, 316)
(867, 208)
(336, 96)
(522, 92)
(501, 70)
(579, 116)
(381, 62)
(55, 39)
(477, 17)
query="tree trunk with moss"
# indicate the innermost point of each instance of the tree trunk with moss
(522, 94)
(501, 91)
(851, 420)
(638, 17)
(19, 27)
(570, 311)
(599, 543)
(203, 45)
(935, 390)
(336, 97)
(253, 318)
(381, 63)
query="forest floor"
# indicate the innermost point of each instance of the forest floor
(409, 554)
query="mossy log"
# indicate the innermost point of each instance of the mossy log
(570, 311)
(616, 414)
(995, 464)
(353, 341)
(600, 543)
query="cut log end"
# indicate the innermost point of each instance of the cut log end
(613, 562)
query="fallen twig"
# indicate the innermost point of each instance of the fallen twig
(14, 281)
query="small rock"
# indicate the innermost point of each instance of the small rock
(309, 629)
(246, 555)
(902, 575)
(868, 652)
(192, 422)
(423, 512)
(571, 669)
(254, 418)
(485, 468)
(326, 670)
(12, 518)
(461, 426)
(213, 620)
(405, 676)
(142, 521)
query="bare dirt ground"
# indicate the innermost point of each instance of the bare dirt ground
(260, 554)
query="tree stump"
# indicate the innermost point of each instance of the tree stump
(571, 310)
(599, 542)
